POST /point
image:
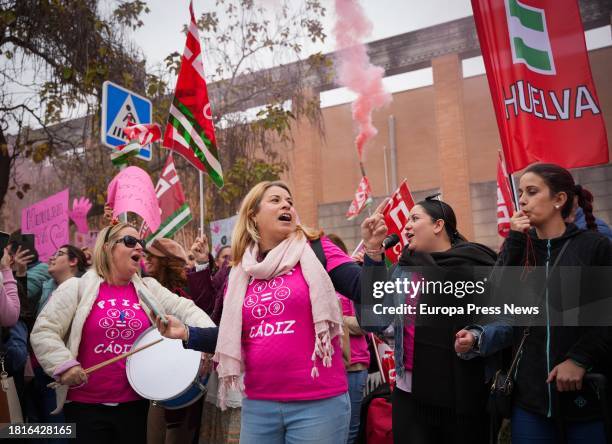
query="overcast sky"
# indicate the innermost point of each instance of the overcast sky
(161, 33)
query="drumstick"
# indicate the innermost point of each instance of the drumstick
(93, 368)
(102, 364)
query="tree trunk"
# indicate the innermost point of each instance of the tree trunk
(5, 167)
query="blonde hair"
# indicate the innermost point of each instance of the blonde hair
(245, 232)
(101, 255)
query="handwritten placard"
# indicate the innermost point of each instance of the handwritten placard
(132, 190)
(47, 220)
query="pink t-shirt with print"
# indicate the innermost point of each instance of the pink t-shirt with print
(278, 339)
(359, 347)
(115, 321)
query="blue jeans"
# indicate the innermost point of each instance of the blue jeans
(356, 381)
(530, 428)
(323, 421)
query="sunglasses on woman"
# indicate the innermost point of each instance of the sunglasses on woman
(131, 241)
(436, 198)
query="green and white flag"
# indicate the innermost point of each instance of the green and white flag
(121, 155)
(529, 39)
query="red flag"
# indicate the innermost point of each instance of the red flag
(175, 212)
(543, 93)
(190, 130)
(362, 198)
(145, 133)
(387, 359)
(396, 215)
(505, 206)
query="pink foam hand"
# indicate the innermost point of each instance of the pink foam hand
(78, 214)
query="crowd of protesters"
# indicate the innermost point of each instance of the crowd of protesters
(277, 319)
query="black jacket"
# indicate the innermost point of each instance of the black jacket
(548, 346)
(446, 388)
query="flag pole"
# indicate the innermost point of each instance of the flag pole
(363, 174)
(511, 181)
(201, 174)
(514, 193)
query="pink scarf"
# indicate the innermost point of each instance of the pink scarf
(280, 260)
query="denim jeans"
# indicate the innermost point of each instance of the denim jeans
(533, 428)
(324, 421)
(356, 381)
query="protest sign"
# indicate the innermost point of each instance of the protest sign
(47, 220)
(221, 233)
(132, 190)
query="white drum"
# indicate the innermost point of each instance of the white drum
(166, 372)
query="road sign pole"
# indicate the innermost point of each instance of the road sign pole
(123, 216)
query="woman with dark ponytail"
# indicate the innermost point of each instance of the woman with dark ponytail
(550, 398)
(582, 213)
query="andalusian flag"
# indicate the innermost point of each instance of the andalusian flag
(122, 153)
(529, 38)
(190, 130)
(175, 212)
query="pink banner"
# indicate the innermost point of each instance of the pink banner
(47, 220)
(132, 190)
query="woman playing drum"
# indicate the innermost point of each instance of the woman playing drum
(97, 317)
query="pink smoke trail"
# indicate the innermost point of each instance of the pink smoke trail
(355, 70)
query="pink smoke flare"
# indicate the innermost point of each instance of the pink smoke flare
(355, 70)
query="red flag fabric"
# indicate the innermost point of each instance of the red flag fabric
(396, 215)
(145, 133)
(387, 359)
(505, 206)
(540, 80)
(175, 212)
(363, 197)
(190, 130)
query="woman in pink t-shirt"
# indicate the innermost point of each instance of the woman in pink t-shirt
(281, 320)
(97, 317)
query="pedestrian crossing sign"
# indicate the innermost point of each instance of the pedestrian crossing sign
(120, 105)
